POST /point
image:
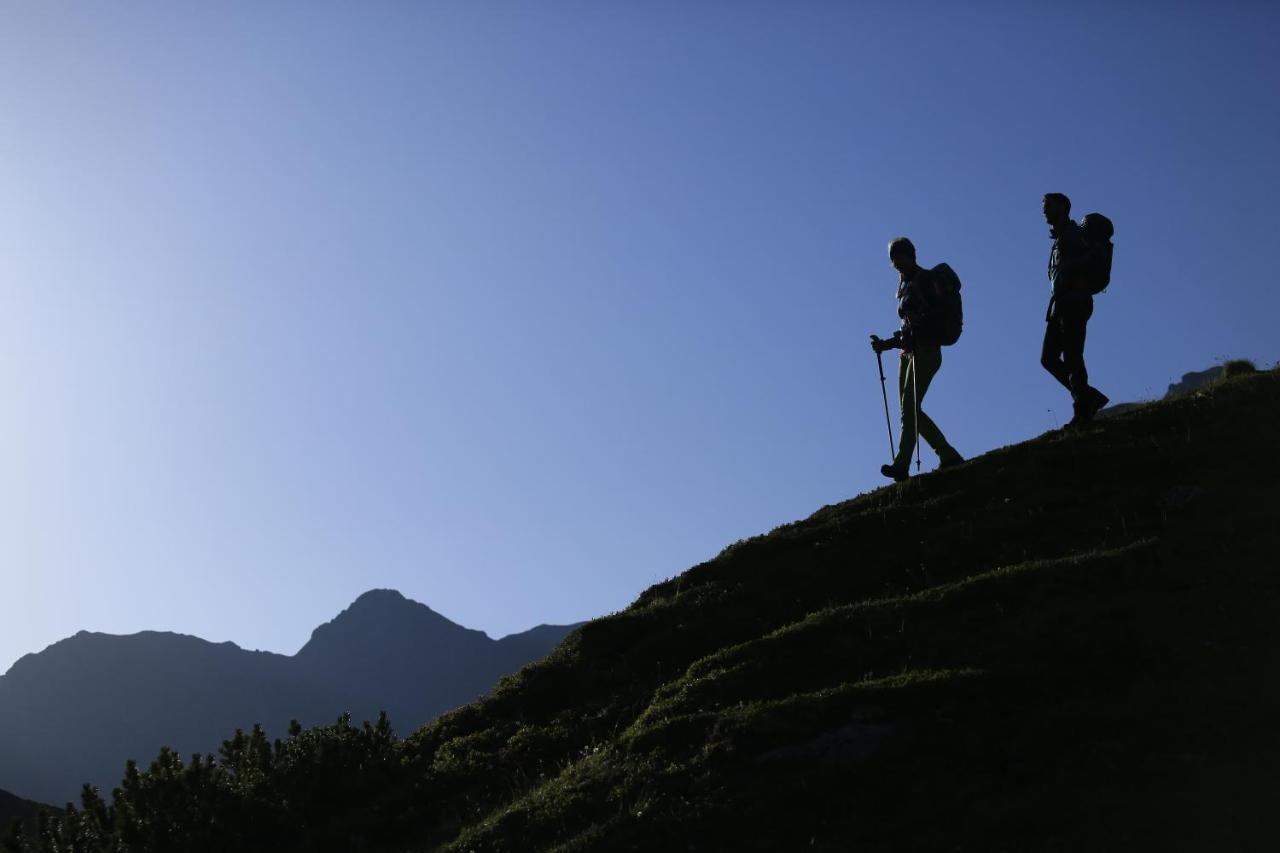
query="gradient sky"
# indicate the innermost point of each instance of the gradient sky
(521, 308)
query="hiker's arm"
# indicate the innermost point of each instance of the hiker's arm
(894, 341)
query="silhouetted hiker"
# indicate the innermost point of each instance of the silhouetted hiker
(1072, 273)
(929, 306)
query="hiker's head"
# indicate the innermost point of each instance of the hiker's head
(1057, 208)
(902, 254)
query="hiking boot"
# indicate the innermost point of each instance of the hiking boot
(1076, 418)
(1097, 401)
(894, 473)
(951, 460)
(1093, 400)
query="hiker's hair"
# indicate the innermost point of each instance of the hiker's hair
(1060, 199)
(899, 246)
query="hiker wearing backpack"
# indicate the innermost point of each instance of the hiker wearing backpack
(1079, 268)
(929, 307)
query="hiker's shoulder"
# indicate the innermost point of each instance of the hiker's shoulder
(1067, 230)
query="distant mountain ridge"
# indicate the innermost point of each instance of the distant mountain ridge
(75, 712)
(1191, 382)
(463, 662)
(15, 808)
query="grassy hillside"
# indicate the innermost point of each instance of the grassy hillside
(1069, 644)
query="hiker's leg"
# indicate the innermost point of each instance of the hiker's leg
(1051, 349)
(1075, 318)
(907, 421)
(928, 362)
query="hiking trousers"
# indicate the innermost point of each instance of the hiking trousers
(927, 360)
(1063, 351)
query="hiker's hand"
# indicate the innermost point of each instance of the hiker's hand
(880, 345)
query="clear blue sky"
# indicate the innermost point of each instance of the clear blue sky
(521, 308)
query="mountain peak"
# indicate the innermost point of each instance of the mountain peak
(383, 618)
(382, 598)
(389, 603)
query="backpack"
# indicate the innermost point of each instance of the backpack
(1097, 231)
(948, 313)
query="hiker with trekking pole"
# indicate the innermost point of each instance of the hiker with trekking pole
(930, 310)
(1079, 269)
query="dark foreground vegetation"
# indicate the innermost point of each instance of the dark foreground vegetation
(1065, 645)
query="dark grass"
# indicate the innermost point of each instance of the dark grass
(1238, 367)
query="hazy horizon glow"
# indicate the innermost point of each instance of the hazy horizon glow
(519, 311)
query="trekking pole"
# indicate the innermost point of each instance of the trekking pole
(915, 398)
(885, 394)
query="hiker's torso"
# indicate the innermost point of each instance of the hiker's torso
(1066, 262)
(915, 304)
